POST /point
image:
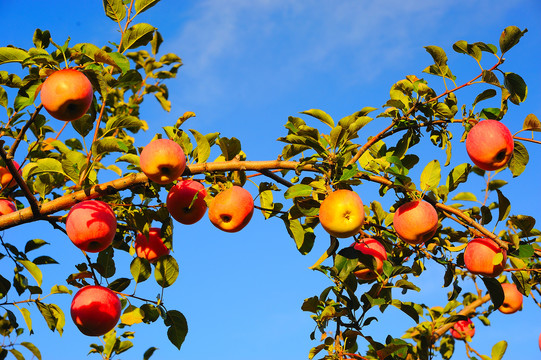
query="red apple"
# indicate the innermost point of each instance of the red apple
(479, 255)
(232, 209)
(95, 310)
(512, 301)
(539, 341)
(186, 201)
(463, 329)
(6, 178)
(91, 225)
(163, 161)
(373, 248)
(416, 222)
(151, 247)
(490, 144)
(67, 94)
(7, 207)
(342, 213)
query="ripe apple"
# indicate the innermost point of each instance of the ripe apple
(373, 248)
(342, 213)
(151, 247)
(95, 310)
(186, 201)
(539, 341)
(513, 298)
(463, 329)
(6, 178)
(489, 144)
(232, 209)
(91, 225)
(67, 94)
(416, 222)
(163, 161)
(7, 207)
(479, 254)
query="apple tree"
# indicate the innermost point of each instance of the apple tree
(101, 192)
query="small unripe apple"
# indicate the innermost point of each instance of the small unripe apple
(7, 207)
(151, 247)
(375, 249)
(232, 209)
(95, 310)
(463, 329)
(489, 145)
(479, 255)
(342, 213)
(66, 94)
(416, 222)
(91, 225)
(513, 299)
(163, 161)
(186, 201)
(6, 178)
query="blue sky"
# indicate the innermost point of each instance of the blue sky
(248, 65)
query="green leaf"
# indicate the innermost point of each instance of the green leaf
(438, 54)
(5, 285)
(3, 98)
(17, 354)
(108, 144)
(510, 37)
(132, 315)
(83, 125)
(487, 94)
(166, 271)
(467, 196)
(495, 290)
(137, 35)
(531, 122)
(504, 206)
(125, 122)
(490, 78)
(304, 238)
(298, 190)
(431, 176)
(53, 315)
(12, 54)
(115, 10)
(519, 160)
(458, 175)
(202, 150)
(178, 327)
(144, 5)
(106, 263)
(320, 115)
(32, 348)
(34, 244)
(140, 269)
(26, 316)
(60, 289)
(119, 284)
(148, 353)
(498, 350)
(516, 86)
(33, 270)
(230, 147)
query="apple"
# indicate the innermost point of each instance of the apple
(489, 145)
(7, 207)
(341, 213)
(463, 329)
(415, 222)
(539, 341)
(374, 248)
(91, 225)
(479, 255)
(232, 209)
(512, 301)
(95, 310)
(163, 161)
(186, 201)
(151, 247)
(66, 94)
(6, 178)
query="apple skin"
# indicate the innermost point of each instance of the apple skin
(342, 213)
(489, 145)
(163, 161)
(512, 299)
(463, 329)
(91, 225)
(415, 222)
(232, 209)
(539, 341)
(181, 196)
(151, 248)
(95, 310)
(66, 94)
(370, 246)
(7, 207)
(478, 257)
(6, 179)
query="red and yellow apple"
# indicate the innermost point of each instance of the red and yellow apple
(91, 225)
(6, 178)
(95, 310)
(342, 213)
(479, 255)
(232, 209)
(186, 201)
(463, 329)
(7, 207)
(512, 299)
(374, 248)
(489, 145)
(415, 222)
(66, 94)
(151, 247)
(163, 161)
